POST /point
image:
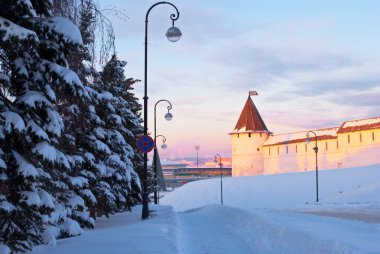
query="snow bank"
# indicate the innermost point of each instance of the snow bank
(355, 185)
(124, 233)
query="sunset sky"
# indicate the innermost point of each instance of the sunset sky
(314, 64)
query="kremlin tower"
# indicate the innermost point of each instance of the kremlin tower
(248, 136)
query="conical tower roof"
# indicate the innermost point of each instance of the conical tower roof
(250, 119)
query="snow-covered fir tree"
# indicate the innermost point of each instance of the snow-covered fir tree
(33, 50)
(113, 73)
(66, 144)
(106, 141)
(84, 121)
(129, 109)
(78, 116)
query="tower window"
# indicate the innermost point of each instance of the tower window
(337, 145)
(327, 146)
(249, 135)
(278, 150)
(305, 147)
(360, 137)
(287, 149)
(296, 149)
(348, 138)
(238, 135)
(373, 136)
(261, 134)
(269, 151)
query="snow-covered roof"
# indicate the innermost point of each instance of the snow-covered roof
(359, 125)
(296, 137)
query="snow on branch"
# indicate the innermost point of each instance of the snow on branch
(31, 198)
(51, 154)
(68, 76)
(79, 181)
(34, 99)
(4, 78)
(24, 168)
(37, 130)
(46, 199)
(55, 124)
(6, 207)
(64, 27)
(71, 227)
(11, 30)
(88, 193)
(12, 121)
(2, 165)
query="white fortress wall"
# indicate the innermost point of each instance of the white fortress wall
(256, 151)
(360, 148)
(350, 149)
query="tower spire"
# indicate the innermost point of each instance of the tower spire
(250, 119)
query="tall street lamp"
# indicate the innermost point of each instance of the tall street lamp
(199, 172)
(173, 34)
(197, 148)
(168, 117)
(163, 147)
(316, 157)
(221, 177)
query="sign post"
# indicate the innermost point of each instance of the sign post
(145, 144)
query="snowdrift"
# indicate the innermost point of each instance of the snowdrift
(292, 190)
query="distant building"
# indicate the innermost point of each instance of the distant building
(168, 168)
(224, 160)
(255, 150)
(177, 174)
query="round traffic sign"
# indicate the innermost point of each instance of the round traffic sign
(145, 144)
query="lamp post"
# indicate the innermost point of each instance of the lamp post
(163, 147)
(199, 173)
(221, 177)
(168, 117)
(316, 157)
(173, 34)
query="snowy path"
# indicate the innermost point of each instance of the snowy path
(217, 229)
(221, 229)
(204, 231)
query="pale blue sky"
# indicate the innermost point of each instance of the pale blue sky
(314, 63)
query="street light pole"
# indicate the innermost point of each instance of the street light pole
(199, 173)
(221, 177)
(163, 146)
(173, 34)
(156, 177)
(316, 158)
(168, 117)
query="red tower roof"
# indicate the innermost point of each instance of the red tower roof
(250, 119)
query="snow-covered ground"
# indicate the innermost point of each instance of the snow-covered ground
(261, 214)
